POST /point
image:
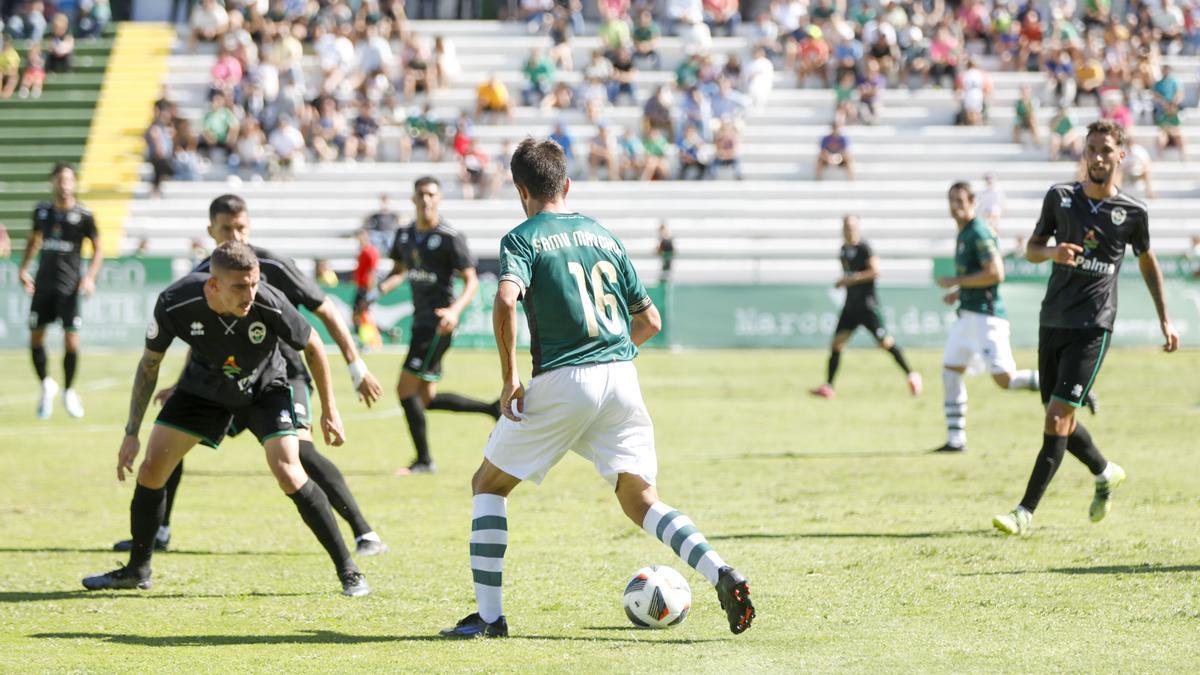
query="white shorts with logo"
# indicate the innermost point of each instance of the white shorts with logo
(979, 341)
(595, 410)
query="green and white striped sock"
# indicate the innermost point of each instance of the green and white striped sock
(677, 531)
(489, 540)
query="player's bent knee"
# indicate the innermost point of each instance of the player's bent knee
(491, 480)
(636, 496)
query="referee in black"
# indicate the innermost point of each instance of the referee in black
(431, 255)
(1091, 224)
(234, 373)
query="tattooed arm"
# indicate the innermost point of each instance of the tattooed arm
(139, 399)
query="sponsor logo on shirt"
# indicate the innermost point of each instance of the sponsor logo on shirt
(258, 332)
(1089, 240)
(197, 328)
(1098, 266)
(58, 245)
(231, 368)
(1065, 203)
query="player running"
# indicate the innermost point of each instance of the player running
(229, 220)
(59, 228)
(981, 332)
(860, 269)
(1091, 224)
(234, 373)
(430, 254)
(587, 313)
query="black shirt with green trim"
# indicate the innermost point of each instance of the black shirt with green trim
(63, 232)
(431, 258)
(855, 258)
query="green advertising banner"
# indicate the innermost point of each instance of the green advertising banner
(1019, 269)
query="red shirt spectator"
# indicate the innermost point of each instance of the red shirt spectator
(614, 7)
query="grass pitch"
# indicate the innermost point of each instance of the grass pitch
(863, 553)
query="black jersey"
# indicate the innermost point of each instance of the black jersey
(301, 291)
(431, 259)
(1085, 296)
(855, 259)
(233, 358)
(63, 232)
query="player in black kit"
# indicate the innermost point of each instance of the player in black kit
(229, 220)
(59, 228)
(860, 269)
(1091, 224)
(234, 373)
(430, 254)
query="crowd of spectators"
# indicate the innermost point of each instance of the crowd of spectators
(47, 36)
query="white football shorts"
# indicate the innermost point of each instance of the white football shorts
(979, 341)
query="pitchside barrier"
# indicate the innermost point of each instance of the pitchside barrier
(694, 316)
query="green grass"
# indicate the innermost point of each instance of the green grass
(864, 554)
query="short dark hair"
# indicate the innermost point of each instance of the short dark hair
(227, 205)
(59, 167)
(540, 166)
(423, 181)
(233, 256)
(1108, 128)
(963, 185)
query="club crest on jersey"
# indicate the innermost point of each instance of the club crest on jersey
(434, 241)
(73, 217)
(197, 328)
(258, 332)
(1089, 240)
(1118, 215)
(231, 368)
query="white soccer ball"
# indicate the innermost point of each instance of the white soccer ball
(657, 597)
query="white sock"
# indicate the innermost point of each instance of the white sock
(955, 407)
(1105, 475)
(489, 540)
(370, 536)
(164, 532)
(1023, 379)
(677, 531)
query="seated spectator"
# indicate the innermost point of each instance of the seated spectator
(1112, 106)
(682, 14)
(722, 14)
(1065, 141)
(62, 45)
(445, 61)
(561, 136)
(657, 165)
(729, 102)
(502, 171)
(563, 97)
(226, 74)
(847, 53)
(188, 163)
(810, 54)
(327, 130)
(491, 98)
(91, 18)
(160, 149)
(834, 152)
(288, 146)
(696, 111)
(252, 157)
(1089, 78)
(373, 54)
(472, 172)
(687, 73)
(1025, 116)
(35, 73)
(422, 130)
(536, 14)
(1170, 135)
(845, 99)
(218, 127)
(208, 23)
(759, 78)
(695, 154)
(614, 31)
(324, 274)
(728, 143)
(602, 152)
(765, 33)
(419, 73)
(593, 98)
(539, 74)
(598, 67)
(944, 51)
(623, 75)
(1169, 23)
(1166, 91)
(363, 141)
(560, 41)
(28, 22)
(632, 155)
(464, 133)
(991, 201)
(974, 88)
(1136, 167)
(645, 41)
(1032, 33)
(870, 91)
(10, 67)
(694, 35)
(1060, 78)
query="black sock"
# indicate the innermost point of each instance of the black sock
(326, 474)
(414, 412)
(1080, 444)
(172, 487)
(39, 361)
(313, 506)
(145, 515)
(458, 403)
(1048, 459)
(899, 356)
(70, 361)
(835, 358)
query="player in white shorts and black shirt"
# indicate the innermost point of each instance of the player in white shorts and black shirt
(587, 311)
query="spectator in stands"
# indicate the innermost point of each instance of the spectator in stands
(681, 14)
(561, 136)
(502, 171)
(870, 91)
(1112, 106)
(632, 155)
(810, 53)
(373, 54)
(592, 97)
(491, 98)
(694, 35)
(91, 18)
(728, 103)
(656, 114)
(758, 78)
(560, 41)
(288, 145)
(834, 151)
(764, 32)
(227, 73)
(695, 154)
(28, 22)
(696, 112)
(845, 99)
(665, 251)
(209, 22)
(472, 172)
(602, 152)
(563, 97)
(422, 129)
(722, 14)
(614, 31)
(219, 127)
(1060, 78)
(1166, 92)
(381, 225)
(1025, 116)
(61, 45)
(1169, 133)
(645, 41)
(657, 163)
(1089, 78)
(1137, 168)
(188, 164)
(327, 130)
(974, 89)
(447, 67)
(252, 157)
(944, 51)
(363, 142)
(419, 74)
(539, 74)
(1169, 22)
(10, 67)
(35, 73)
(727, 141)
(160, 149)
(536, 14)
(324, 274)
(991, 201)
(623, 75)
(598, 67)
(1065, 141)
(464, 133)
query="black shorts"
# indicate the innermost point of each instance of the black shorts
(865, 315)
(52, 306)
(425, 352)
(1069, 360)
(301, 407)
(269, 416)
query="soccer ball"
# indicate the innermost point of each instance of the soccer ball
(657, 597)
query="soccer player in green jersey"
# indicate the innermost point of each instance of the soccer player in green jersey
(981, 332)
(588, 313)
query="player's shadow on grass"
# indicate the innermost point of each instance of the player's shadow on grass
(235, 473)
(1100, 569)
(308, 637)
(172, 552)
(7, 597)
(851, 535)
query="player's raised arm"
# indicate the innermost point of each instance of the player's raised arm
(368, 388)
(1152, 274)
(504, 324)
(144, 380)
